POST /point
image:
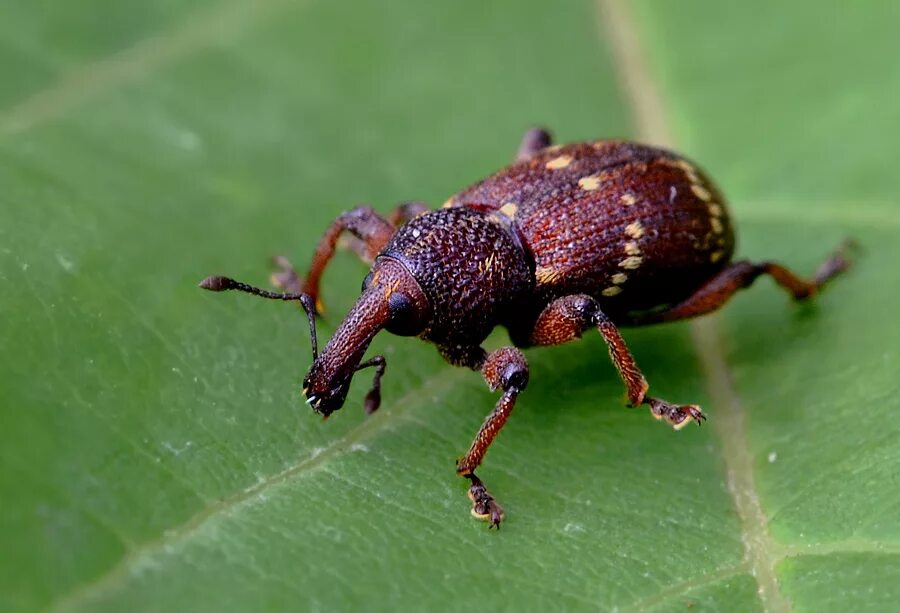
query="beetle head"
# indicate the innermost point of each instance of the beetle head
(391, 300)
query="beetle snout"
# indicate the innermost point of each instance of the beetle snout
(325, 399)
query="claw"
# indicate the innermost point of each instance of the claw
(677, 415)
(285, 276)
(484, 507)
(493, 514)
(692, 413)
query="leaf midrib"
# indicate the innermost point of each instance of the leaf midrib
(762, 553)
(652, 124)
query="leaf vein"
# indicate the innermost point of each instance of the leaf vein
(203, 29)
(651, 122)
(119, 573)
(672, 592)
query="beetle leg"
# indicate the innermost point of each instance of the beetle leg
(373, 232)
(533, 141)
(407, 211)
(404, 213)
(716, 292)
(506, 369)
(566, 318)
(373, 398)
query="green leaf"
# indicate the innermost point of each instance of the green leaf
(155, 451)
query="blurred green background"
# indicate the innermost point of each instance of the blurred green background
(155, 453)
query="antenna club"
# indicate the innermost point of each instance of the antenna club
(217, 284)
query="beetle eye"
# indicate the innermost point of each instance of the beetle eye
(404, 315)
(400, 305)
(367, 281)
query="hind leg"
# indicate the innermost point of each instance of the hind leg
(739, 275)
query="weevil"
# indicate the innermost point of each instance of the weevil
(600, 234)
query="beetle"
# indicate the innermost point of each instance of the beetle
(599, 234)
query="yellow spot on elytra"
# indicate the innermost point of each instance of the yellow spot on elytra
(714, 209)
(509, 209)
(546, 274)
(627, 199)
(684, 166)
(619, 278)
(716, 225)
(559, 162)
(449, 202)
(631, 248)
(589, 183)
(631, 263)
(715, 256)
(701, 192)
(634, 229)
(688, 169)
(612, 291)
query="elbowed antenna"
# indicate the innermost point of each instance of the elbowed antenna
(221, 284)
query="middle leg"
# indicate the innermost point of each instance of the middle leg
(566, 318)
(506, 369)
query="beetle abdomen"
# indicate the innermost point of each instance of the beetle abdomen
(634, 226)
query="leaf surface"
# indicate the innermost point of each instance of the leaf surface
(155, 451)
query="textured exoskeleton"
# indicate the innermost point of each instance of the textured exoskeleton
(589, 235)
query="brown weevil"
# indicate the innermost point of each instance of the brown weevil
(599, 234)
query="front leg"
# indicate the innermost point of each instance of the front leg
(371, 233)
(505, 369)
(404, 213)
(566, 318)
